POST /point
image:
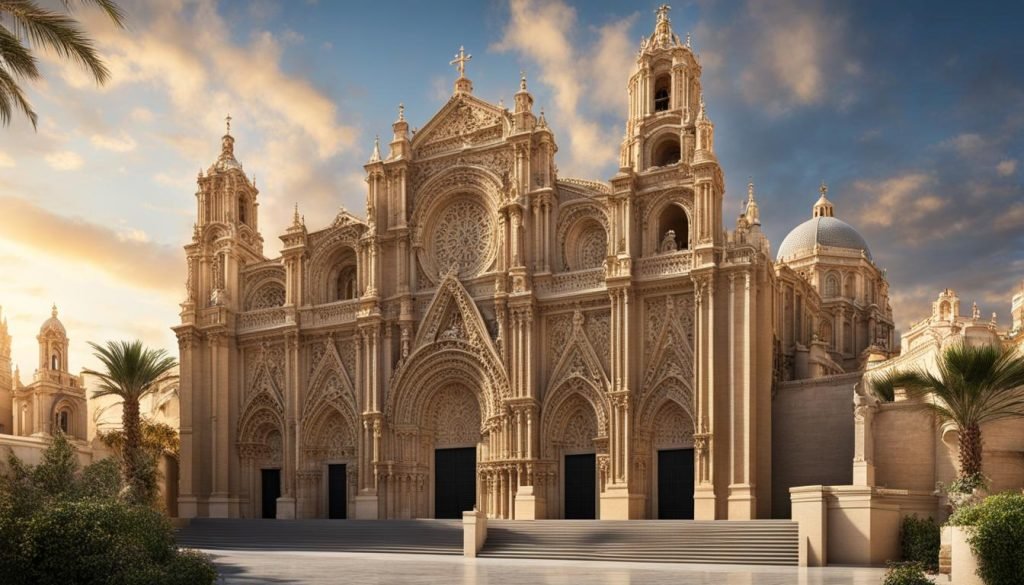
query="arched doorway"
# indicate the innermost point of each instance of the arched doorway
(576, 439)
(672, 444)
(452, 425)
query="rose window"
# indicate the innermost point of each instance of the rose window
(462, 238)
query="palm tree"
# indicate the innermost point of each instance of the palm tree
(974, 385)
(25, 25)
(132, 371)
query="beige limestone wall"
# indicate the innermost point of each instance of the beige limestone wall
(812, 436)
(905, 452)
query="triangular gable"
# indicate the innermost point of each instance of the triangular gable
(452, 315)
(330, 362)
(673, 355)
(263, 383)
(465, 120)
(579, 360)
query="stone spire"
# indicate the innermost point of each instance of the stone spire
(523, 111)
(375, 155)
(753, 213)
(823, 208)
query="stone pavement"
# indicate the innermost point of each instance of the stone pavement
(313, 568)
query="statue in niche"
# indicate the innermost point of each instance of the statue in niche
(668, 243)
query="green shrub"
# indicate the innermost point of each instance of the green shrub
(906, 574)
(60, 526)
(919, 542)
(997, 537)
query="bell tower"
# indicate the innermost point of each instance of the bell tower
(664, 100)
(226, 234)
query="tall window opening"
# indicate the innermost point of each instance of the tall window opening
(662, 94)
(346, 285)
(666, 152)
(241, 210)
(54, 362)
(64, 421)
(673, 229)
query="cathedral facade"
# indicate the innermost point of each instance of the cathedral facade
(493, 335)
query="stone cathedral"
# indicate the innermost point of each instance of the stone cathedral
(494, 335)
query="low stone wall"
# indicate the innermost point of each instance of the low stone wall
(854, 525)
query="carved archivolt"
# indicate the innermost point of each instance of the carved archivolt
(452, 346)
(454, 417)
(267, 295)
(332, 250)
(573, 415)
(330, 433)
(583, 235)
(672, 427)
(652, 209)
(260, 428)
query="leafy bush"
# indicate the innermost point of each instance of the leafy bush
(919, 542)
(906, 574)
(997, 537)
(59, 525)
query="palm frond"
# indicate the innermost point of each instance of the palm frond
(16, 58)
(55, 31)
(132, 370)
(11, 97)
(112, 10)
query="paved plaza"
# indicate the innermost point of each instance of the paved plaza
(311, 568)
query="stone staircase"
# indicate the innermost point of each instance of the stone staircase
(437, 537)
(758, 542)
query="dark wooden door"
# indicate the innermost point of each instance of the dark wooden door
(580, 487)
(675, 484)
(454, 482)
(337, 492)
(270, 480)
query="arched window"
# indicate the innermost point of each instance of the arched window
(666, 152)
(662, 93)
(825, 334)
(63, 421)
(944, 311)
(55, 361)
(848, 288)
(346, 285)
(241, 210)
(673, 229)
(831, 286)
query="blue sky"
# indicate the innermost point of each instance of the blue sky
(913, 112)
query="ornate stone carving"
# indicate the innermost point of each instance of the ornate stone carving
(461, 238)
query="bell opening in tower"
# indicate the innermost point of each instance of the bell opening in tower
(667, 152)
(662, 96)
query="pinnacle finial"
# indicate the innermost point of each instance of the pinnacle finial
(823, 189)
(522, 80)
(662, 12)
(401, 112)
(376, 149)
(227, 122)
(295, 217)
(750, 188)
(688, 40)
(53, 310)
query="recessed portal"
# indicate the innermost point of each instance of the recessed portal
(337, 492)
(675, 484)
(454, 482)
(580, 487)
(270, 485)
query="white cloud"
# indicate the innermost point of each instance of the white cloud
(64, 160)
(540, 32)
(120, 143)
(967, 144)
(1007, 167)
(903, 200)
(141, 114)
(796, 57)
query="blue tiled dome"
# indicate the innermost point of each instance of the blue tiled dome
(822, 231)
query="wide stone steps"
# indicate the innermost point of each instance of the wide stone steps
(758, 542)
(438, 537)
